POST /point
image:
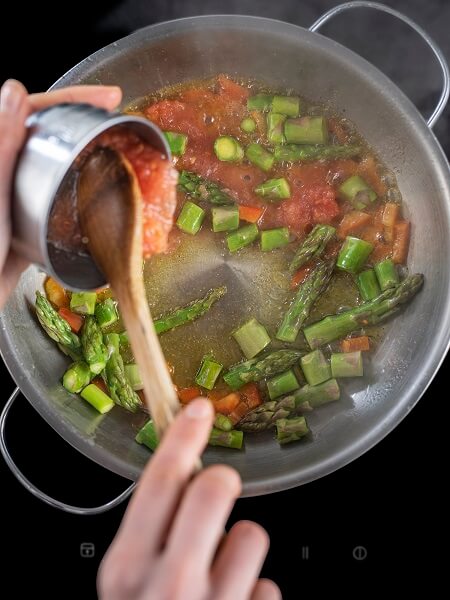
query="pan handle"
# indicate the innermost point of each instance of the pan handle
(75, 510)
(424, 35)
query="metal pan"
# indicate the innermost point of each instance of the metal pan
(415, 343)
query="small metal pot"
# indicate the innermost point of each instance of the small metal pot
(414, 344)
(57, 135)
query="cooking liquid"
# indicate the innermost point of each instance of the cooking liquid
(258, 283)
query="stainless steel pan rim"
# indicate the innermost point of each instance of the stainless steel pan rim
(390, 95)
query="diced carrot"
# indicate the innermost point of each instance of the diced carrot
(391, 214)
(55, 292)
(240, 411)
(353, 221)
(401, 242)
(354, 344)
(250, 395)
(75, 321)
(98, 381)
(300, 276)
(187, 394)
(227, 404)
(368, 170)
(252, 214)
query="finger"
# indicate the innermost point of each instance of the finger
(200, 521)
(239, 561)
(266, 589)
(104, 96)
(153, 504)
(13, 112)
(9, 277)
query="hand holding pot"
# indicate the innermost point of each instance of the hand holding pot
(15, 106)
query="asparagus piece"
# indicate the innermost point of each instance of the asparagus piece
(286, 105)
(223, 423)
(227, 439)
(370, 313)
(190, 218)
(291, 430)
(192, 311)
(134, 376)
(252, 338)
(274, 238)
(303, 400)
(202, 189)
(248, 125)
(313, 396)
(259, 157)
(55, 326)
(353, 254)
(208, 373)
(242, 237)
(282, 384)
(313, 246)
(259, 368)
(147, 435)
(106, 312)
(357, 191)
(225, 218)
(77, 377)
(275, 123)
(387, 274)
(97, 398)
(368, 285)
(118, 385)
(307, 294)
(83, 303)
(94, 350)
(347, 364)
(124, 340)
(264, 416)
(228, 149)
(274, 189)
(177, 142)
(260, 102)
(306, 130)
(293, 152)
(315, 367)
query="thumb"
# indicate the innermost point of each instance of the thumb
(13, 112)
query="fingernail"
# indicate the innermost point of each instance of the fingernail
(11, 96)
(198, 409)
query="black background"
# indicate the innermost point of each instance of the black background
(391, 500)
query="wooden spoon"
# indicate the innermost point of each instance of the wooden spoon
(110, 208)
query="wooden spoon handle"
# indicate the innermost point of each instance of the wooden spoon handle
(159, 390)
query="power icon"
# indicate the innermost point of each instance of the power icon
(359, 553)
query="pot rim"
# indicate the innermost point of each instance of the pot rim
(439, 349)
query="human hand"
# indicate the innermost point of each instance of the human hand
(15, 106)
(170, 544)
